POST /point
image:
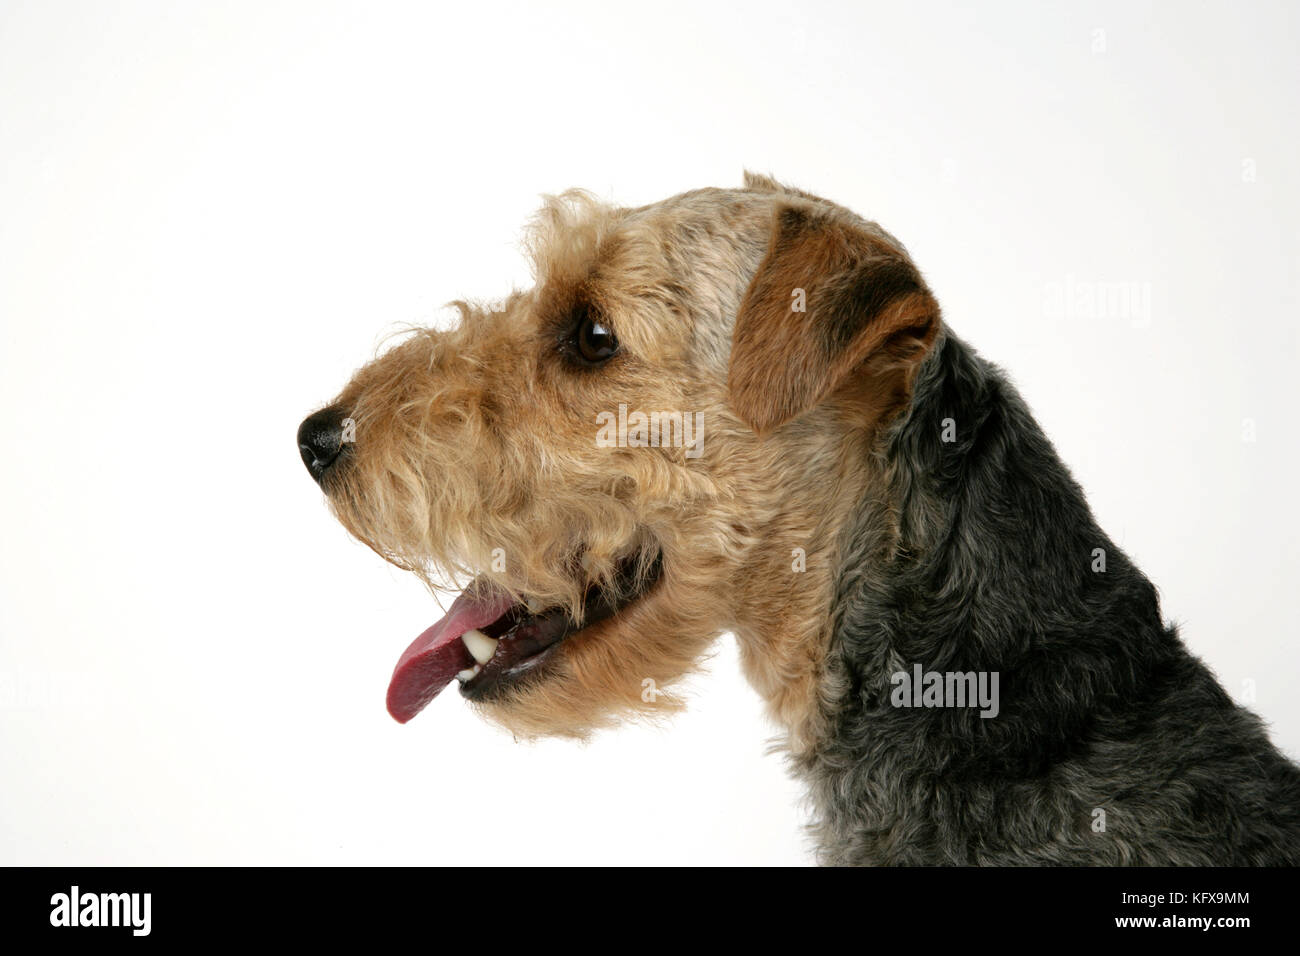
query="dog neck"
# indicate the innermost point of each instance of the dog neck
(973, 553)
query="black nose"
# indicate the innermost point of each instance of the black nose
(320, 440)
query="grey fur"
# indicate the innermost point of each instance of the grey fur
(1102, 705)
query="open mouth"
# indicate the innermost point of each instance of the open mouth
(488, 642)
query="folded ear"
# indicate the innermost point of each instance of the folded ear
(831, 300)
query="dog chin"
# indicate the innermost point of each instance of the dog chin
(627, 668)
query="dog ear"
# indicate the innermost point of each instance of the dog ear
(830, 299)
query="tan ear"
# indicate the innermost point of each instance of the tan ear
(831, 300)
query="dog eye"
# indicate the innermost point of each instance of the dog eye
(594, 341)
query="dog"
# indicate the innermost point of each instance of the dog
(740, 410)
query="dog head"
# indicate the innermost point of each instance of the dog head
(658, 442)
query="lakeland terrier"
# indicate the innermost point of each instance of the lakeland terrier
(738, 410)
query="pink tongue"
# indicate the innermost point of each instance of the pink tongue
(437, 655)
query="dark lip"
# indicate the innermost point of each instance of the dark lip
(527, 641)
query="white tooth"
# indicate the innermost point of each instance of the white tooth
(480, 645)
(468, 673)
(535, 606)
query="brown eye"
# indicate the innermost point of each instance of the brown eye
(595, 341)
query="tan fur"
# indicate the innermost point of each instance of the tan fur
(483, 438)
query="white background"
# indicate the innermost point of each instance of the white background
(210, 215)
